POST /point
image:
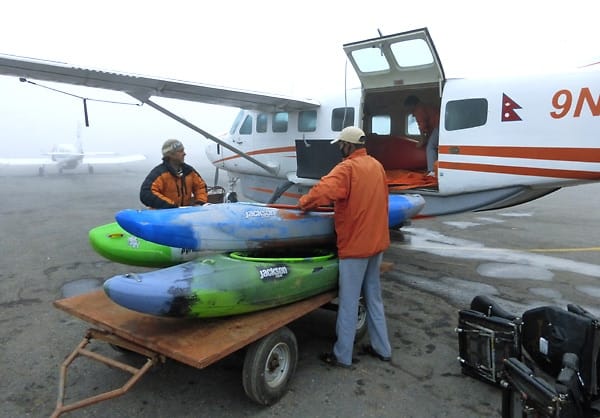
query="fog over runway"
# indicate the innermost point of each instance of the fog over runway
(541, 253)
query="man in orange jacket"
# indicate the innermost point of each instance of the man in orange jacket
(357, 186)
(173, 183)
(428, 120)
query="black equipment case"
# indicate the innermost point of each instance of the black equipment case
(487, 335)
(549, 332)
(527, 395)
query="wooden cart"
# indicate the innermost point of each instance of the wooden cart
(270, 359)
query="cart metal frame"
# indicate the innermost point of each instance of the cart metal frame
(197, 343)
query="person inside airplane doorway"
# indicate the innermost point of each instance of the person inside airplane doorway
(173, 183)
(428, 120)
(357, 186)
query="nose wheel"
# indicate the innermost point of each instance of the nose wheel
(231, 197)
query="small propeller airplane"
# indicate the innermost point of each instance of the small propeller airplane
(71, 156)
(502, 142)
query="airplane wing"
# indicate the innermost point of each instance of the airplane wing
(142, 88)
(117, 159)
(91, 159)
(97, 153)
(26, 161)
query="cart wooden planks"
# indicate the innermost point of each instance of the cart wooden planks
(197, 343)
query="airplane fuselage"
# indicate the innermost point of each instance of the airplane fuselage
(66, 156)
(501, 141)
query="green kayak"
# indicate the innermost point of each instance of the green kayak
(114, 243)
(226, 284)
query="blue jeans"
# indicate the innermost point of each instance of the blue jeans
(432, 149)
(356, 275)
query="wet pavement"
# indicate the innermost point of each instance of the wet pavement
(544, 252)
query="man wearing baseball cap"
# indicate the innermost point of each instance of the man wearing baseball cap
(173, 183)
(358, 188)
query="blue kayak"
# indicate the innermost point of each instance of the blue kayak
(226, 284)
(245, 225)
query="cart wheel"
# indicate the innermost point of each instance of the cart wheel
(269, 365)
(361, 324)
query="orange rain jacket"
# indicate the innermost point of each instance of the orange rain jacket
(427, 117)
(357, 187)
(163, 188)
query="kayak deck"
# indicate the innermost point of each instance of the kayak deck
(195, 342)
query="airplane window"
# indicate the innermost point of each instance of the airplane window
(463, 114)
(342, 117)
(412, 53)
(381, 124)
(370, 60)
(412, 127)
(261, 123)
(280, 122)
(236, 122)
(246, 128)
(307, 121)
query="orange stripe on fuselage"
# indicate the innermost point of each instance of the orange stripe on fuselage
(583, 155)
(586, 155)
(260, 152)
(270, 192)
(522, 171)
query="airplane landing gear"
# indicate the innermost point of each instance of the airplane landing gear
(231, 197)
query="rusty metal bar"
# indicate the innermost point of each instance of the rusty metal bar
(151, 359)
(116, 340)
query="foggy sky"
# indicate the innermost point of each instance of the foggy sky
(36, 118)
(235, 44)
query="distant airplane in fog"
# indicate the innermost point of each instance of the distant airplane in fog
(70, 156)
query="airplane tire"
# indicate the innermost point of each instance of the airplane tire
(269, 366)
(90, 169)
(231, 197)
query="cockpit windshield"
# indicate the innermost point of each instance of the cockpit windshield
(236, 122)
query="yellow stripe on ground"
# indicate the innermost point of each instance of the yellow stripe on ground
(563, 250)
(532, 250)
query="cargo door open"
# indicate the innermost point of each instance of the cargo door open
(390, 69)
(403, 59)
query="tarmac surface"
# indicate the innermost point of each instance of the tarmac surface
(541, 253)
